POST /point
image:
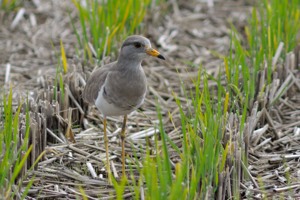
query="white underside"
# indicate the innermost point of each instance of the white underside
(108, 109)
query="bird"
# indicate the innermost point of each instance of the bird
(119, 88)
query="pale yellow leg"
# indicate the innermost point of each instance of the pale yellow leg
(107, 153)
(123, 144)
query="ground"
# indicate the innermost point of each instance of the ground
(189, 35)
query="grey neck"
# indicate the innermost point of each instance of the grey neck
(129, 64)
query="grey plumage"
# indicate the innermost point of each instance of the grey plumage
(95, 82)
(123, 82)
(120, 87)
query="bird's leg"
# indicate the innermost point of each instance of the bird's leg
(123, 144)
(106, 149)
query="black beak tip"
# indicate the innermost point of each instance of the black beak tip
(161, 57)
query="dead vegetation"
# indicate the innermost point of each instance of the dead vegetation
(188, 36)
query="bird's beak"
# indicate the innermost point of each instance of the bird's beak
(152, 52)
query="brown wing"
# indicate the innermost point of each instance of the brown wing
(95, 82)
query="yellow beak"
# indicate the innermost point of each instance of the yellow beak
(152, 52)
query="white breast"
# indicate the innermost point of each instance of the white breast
(108, 109)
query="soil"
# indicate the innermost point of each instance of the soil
(191, 35)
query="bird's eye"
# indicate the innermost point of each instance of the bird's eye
(137, 45)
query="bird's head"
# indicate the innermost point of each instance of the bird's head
(138, 47)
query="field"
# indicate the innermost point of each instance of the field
(221, 118)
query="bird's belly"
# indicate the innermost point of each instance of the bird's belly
(111, 109)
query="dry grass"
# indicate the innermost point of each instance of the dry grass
(187, 36)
